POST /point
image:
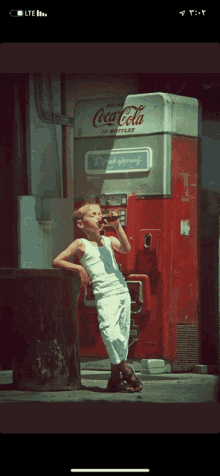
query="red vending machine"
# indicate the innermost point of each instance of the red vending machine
(140, 155)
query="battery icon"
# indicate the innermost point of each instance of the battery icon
(17, 13)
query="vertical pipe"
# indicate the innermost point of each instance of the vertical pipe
(63, 113)
(57, 162)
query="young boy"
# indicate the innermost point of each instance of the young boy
(112, 297)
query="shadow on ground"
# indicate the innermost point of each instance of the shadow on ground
(11, 387)
(93, 389)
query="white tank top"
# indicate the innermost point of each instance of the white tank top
(103, 270)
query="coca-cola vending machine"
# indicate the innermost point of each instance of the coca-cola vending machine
(140, 155)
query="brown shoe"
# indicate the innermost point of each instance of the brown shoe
(119, 385)
(132, 380)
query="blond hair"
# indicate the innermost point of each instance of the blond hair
(81, 211)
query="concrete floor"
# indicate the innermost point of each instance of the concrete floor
(161, 388)
(147, 418)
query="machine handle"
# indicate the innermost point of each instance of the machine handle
(92, 304)
(147, 240)
(88, 302)
(140, 297)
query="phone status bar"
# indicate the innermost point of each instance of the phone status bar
(27, 13)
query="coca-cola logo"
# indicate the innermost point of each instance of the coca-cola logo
(122, 117)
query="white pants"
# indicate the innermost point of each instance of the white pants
(114, 316)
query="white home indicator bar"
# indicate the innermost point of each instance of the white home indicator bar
(110, 470)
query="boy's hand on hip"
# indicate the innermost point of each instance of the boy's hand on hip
(84, 277)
